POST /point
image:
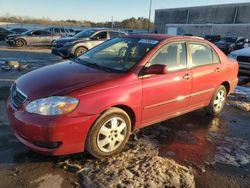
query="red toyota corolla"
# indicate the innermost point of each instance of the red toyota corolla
(94, 102)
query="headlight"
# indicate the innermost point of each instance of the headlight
(55, 105)
(233, 56)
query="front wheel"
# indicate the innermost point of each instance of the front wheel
(79, 51)
(20, 42)
(109, 134)
(218, 101)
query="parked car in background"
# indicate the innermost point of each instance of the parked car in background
(18, 30)
(78, 30)
(228, 44)
(33, 37)
(4, 33)
(243, 58)
(80, 43)
(212, 38)
(61, 31)
(94, 102)
(188, 34)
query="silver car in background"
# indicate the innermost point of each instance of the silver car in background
(77, 45)
(32, 37)
(243, 58)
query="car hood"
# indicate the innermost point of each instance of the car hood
(70, 39)
(242, 52)
(15, 35)
(60, 79)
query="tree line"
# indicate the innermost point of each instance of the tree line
(130, 23)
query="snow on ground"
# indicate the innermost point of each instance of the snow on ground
(240, 98)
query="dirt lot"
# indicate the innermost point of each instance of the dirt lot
(215, 151)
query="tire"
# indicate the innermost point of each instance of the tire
(218, 101)
(103, 140)
(20, 43)
(79, 51)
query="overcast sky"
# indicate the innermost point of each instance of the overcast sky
(95, 10)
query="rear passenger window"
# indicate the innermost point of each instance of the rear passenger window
(200, 54)
(113, 34)
(216, 58)
(173, 56)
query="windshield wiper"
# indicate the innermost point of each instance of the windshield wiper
(94, 65)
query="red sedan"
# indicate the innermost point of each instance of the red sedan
(95, 101)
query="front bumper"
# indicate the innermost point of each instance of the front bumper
(70, 132)
(10, 42)
(244, 68)
(62, 51)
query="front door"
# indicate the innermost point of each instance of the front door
(98, 38)
(168, 94)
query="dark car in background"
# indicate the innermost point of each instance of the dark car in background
(228, 44)
(33, 37)
(213, 38)
(18, 30)
(243, 58)
(75, 46)
(4, 33)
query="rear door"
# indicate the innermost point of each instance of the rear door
(167, 94)
(206, 73)
(46, 37)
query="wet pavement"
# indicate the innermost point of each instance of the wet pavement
(215, 148)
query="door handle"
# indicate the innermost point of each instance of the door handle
(217, 69)
(186, 76)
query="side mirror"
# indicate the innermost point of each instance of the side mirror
(156, 69)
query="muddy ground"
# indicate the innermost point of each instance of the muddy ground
(213, 150)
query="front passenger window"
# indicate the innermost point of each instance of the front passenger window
(173, 56)
(101, 35)
(37, 33)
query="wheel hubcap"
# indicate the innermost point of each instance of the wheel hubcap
(219, 100)
(80, 52)
(19, 43)
(111, 134)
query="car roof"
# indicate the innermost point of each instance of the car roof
(99, 29)
(162, 37)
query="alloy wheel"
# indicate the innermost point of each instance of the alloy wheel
(111, 134)
(219, 100)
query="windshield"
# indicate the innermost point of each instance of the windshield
(118, 54)
(229, 39)
(85, 33)
(27, 32)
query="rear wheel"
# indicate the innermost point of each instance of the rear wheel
(218, 101)
(79, 51)
(109, 134)
(20, 42)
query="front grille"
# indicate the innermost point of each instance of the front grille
(17, 97)
(243, 59)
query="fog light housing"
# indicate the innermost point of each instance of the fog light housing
(47, 145)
